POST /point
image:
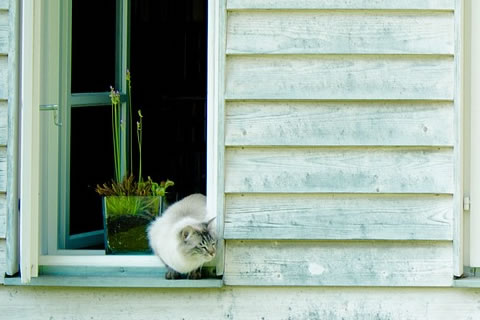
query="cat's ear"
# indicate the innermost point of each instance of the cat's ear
(187, 232)
(211, 221)
(211, 226)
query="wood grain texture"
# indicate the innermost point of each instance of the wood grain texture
(328, 123)
(339, 170)
(239, 303)
(317, 216)
(252, 32)
(3, 260)
(341, 4)
(4, 31)
(3, 169)
(335, 263)
(339, 77)
(3, 123)
(3, 77)
(3, 215)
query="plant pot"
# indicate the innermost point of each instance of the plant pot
(126, 219)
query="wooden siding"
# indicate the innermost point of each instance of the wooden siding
(341, 139)
(338, 216)
(3, 260)
(328, 77)
(341, 170)
(315, 32)
(4, 31)
(345, 123)
(342, 4)
(307, 303)
(333, 263)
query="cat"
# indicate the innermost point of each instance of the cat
(184, 237)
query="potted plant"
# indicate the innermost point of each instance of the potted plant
(129, 204)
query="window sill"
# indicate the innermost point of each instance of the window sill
(126, 277)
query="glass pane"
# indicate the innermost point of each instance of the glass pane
(91, 163)
(93, 45)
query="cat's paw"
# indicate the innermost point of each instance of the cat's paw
(173, 275)
(195, 275)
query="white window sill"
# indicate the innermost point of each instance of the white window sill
(127, 277)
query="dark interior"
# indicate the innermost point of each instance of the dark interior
(168, 52)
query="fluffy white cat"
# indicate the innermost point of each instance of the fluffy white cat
(184, 237)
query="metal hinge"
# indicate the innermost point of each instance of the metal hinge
(466, 203)
(54, 108)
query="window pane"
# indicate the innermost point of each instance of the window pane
(93, 45)
(91, 163)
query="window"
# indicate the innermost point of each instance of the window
(80, 59)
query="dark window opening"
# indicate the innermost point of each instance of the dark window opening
(168, 64)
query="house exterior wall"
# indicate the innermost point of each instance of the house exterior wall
(5, 31)
(341, 132)
(340, 186)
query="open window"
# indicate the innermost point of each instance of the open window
(167, 46)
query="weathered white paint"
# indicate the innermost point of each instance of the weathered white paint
(475, 136)
(4, 32)
(311, 31)
(343, 170)
(3, 215)
(30, 133)
(344, 123)
(338, 216)
(3, 260)
(3, 169)
(339, 77)
(12, 226)
(215, 117)
(238, 303)
(3, 123)
(341, 4)
(344, 263)
(458, 248)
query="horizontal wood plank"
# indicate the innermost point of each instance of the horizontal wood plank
(332, 263)
(316, 216)
(3, 169)
(339, 77)
(3, 77)
(341, 4)
(340, 32)
(329, 123)
(4, 31)
(3, 123)
(339, 170)
(307, 303)
(3, 215)
(3, 259)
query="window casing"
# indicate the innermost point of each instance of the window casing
(40, 217)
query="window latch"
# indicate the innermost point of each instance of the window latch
(54, 108)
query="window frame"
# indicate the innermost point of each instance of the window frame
(31, 255)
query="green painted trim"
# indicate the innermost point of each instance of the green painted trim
(131, 277)
(90, 99)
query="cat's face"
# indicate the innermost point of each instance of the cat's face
(199, 242)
